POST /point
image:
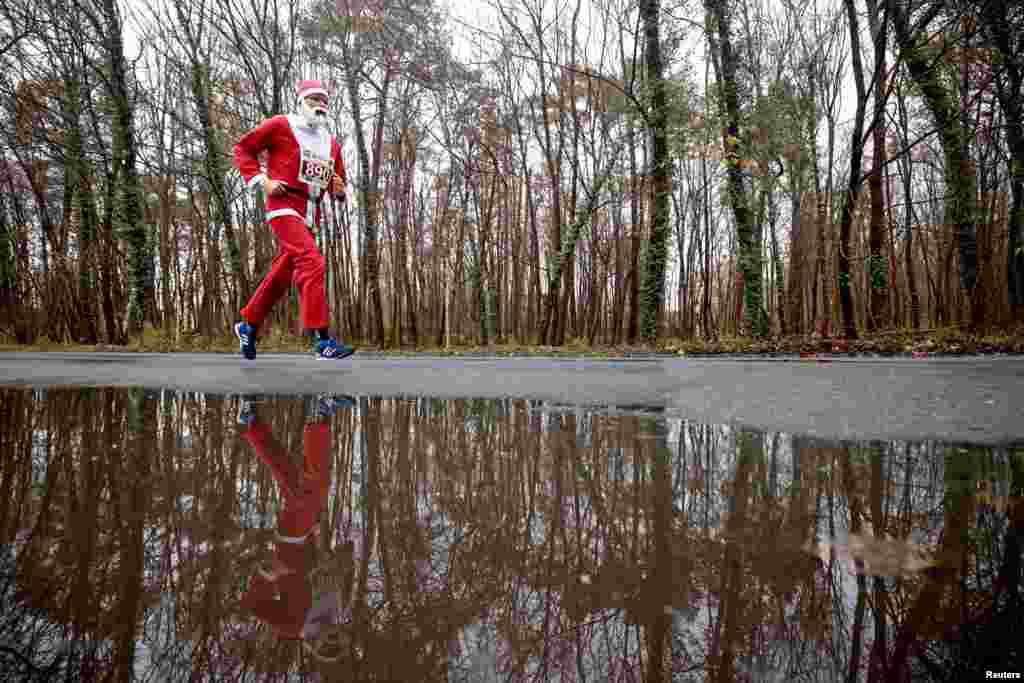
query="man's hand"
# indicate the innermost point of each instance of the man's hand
(337, 185)
(273, 188)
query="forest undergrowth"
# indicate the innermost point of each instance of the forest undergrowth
(943, 341)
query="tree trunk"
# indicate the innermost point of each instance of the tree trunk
(516, 300)
(878, 287)
(83, 204)
(636, 230)
(877, 664)
(661, 174)
(656, 592)
(619, 293)
(707, 317)
(999, 28)
(215, 170)
(533, 310)
(128, 197)
(854, 184)
(567, 253)
(780, 285)
(908, 254)
(856, 516)
(748, 248)
(549, 321)
(10, 304)
(369, 193)
(727, 639)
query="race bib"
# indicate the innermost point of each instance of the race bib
(315, 170)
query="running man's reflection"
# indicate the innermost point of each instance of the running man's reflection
(281, 594)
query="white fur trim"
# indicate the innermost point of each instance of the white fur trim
(312, 91)
(282, 212)
(292, 539)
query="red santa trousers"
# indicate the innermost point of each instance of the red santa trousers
(298, 260)
(304, 492)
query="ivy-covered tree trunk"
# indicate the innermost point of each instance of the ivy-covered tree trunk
(215, 168)
(128, 216)
(878, 285)
(960, 172)
(734, 599)
(726, 64)
(658, 626)
(566, 306)
(661, 174)
(133, 503)
(567, 251)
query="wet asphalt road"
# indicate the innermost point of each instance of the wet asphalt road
(971, 400)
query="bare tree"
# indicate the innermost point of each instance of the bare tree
(368, 41)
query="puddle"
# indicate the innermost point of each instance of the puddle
(158, 535)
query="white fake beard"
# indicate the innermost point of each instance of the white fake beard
(315, 117)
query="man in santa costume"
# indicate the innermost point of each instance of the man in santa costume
(303, 164)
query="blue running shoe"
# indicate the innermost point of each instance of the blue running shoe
(246, 339)
(247, 412)
(344, 401)
(325, 406)
(330, 349)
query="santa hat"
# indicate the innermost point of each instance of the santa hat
(307, 88)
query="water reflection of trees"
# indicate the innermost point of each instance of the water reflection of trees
(502, 540)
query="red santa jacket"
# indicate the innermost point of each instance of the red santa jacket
(301, 157)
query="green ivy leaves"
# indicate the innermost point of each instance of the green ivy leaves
(876, 269)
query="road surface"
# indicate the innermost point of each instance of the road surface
(970, 400)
